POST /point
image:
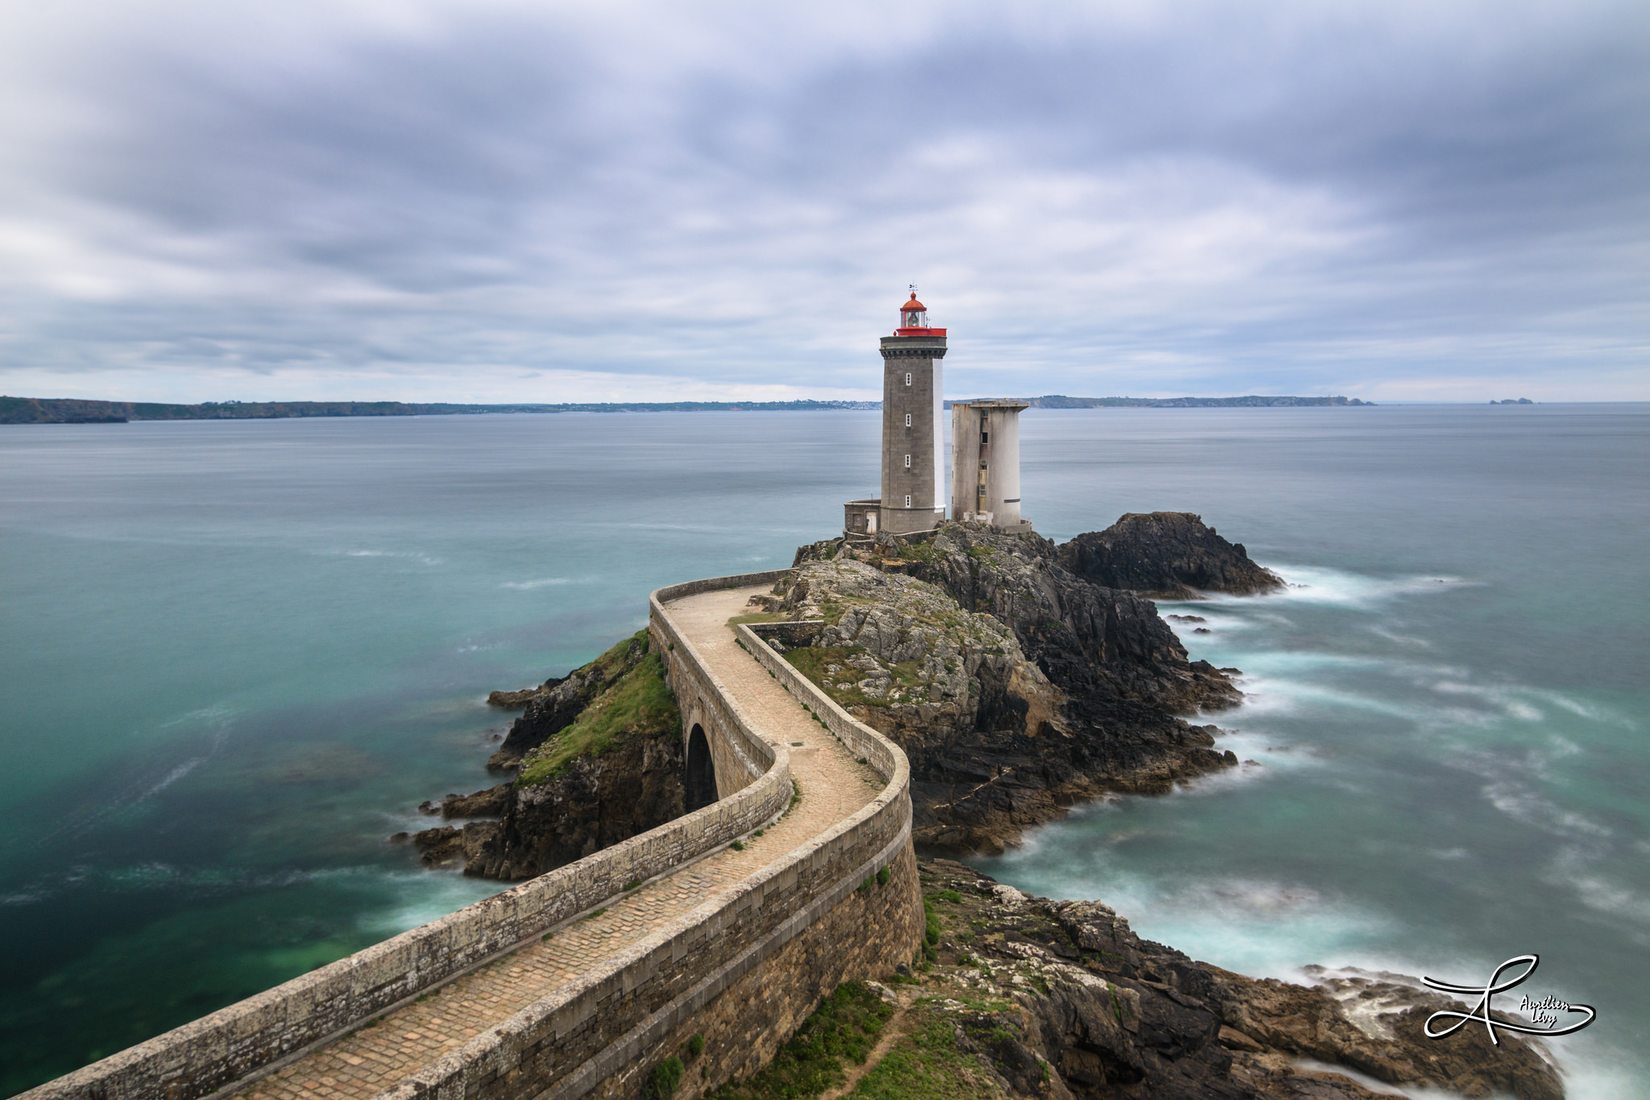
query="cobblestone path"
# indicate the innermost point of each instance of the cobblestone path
(384, 1052)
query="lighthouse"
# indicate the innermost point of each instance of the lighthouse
(913, 433)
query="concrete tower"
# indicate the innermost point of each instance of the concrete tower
(985, 463)
(913, 434)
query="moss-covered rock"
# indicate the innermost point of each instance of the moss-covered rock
(556, 703)
(597, 772)
(637, 704)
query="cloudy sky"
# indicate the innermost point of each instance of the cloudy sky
(496, 201)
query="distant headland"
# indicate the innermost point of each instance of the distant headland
(67, 410)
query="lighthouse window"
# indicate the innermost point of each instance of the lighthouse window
(907, 420)
(908, 500)
(907, 462)
(907, 378)
(985, 437)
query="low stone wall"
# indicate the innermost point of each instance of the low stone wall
(864, 933)
(861, 740)
(599, 1034)
(206, 1054)
(739, 759)
(612, 1023)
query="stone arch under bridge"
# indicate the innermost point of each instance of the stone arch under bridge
(699, 778)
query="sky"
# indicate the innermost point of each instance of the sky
(495, 201)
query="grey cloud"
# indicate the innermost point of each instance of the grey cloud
(1213, 200)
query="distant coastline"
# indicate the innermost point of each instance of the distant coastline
(68, 410)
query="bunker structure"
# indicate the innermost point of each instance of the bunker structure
(985, 435)
(985, 463)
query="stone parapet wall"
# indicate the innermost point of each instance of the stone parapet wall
(237, 1041)
(863, 741)
(742, 757)
(612, 1022)
(601, 1032)
(867, 932)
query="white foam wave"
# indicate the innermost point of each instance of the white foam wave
(402, 555)
(1505, 698)
(1581, 709)
(426, 896)
(540, 582)
(1260, 756)
(218, 720)
(1523, 803)
(26, 896)
(1257, 926)
(1315, 584)
(1410, 641)
(1378, 1087)
(1271, 695)
(173, 776)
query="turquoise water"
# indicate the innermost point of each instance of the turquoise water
(236, 655)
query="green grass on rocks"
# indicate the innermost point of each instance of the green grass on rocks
(841, 1031)
(638, 703)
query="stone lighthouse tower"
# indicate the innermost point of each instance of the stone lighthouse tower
(913, 433)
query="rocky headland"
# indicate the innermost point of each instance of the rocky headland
(1020, 677)
(1017, 686)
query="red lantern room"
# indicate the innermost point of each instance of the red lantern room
(913, 319)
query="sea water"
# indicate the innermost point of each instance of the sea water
(234, 656)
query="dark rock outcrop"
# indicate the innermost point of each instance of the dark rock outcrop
(1096, 642)
(491, 802)
(448, 843)
(596, 801)
(516, 700)
(1167, 555)
(1015, 687)
(1111, 1014)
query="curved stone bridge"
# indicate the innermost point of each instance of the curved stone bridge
(728, 923)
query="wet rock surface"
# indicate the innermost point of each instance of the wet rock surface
(1112, 1014)
(491, 802)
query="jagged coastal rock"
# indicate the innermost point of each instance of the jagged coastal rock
(1017, 683)
(1018, 996)
(1016, 687)
(1168, 556)
(600, 759)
